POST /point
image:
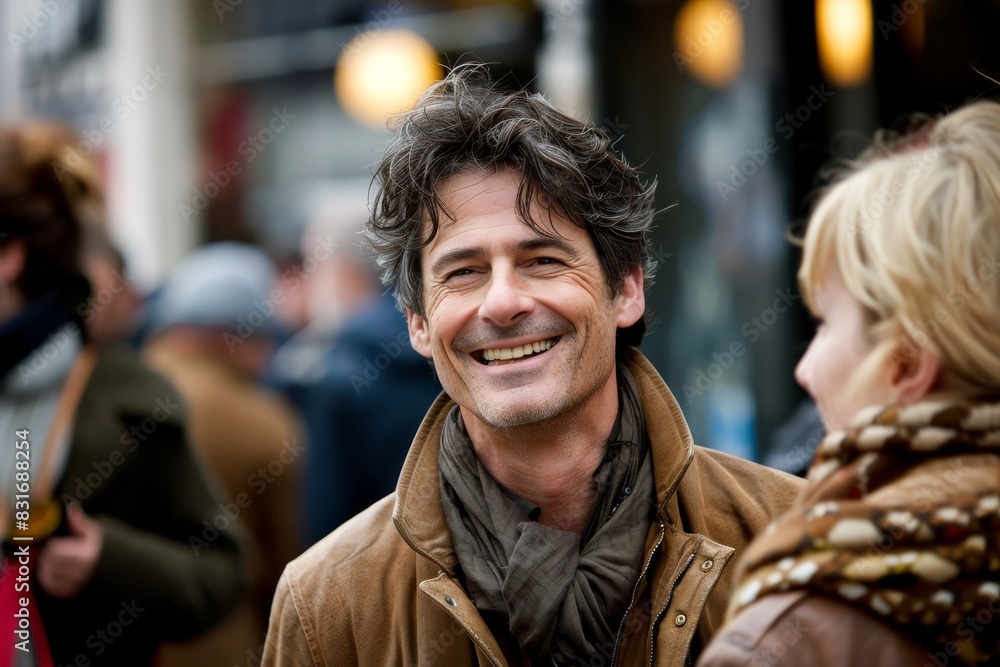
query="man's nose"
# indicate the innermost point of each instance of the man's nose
(506, 299)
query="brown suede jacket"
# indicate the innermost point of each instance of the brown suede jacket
(381, 589)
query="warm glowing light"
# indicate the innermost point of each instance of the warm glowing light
(380, 73)
(708, 41)
(844, 35)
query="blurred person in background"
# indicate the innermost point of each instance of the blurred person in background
(553, 508)
(211, 335)
(890, 557)
(112, 312)
(352, 361)
(115, 489)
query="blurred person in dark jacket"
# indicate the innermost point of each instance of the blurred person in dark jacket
(212, 327)
(114, 491)
(344, 370)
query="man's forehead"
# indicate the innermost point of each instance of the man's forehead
(479, 187)
(476, 195)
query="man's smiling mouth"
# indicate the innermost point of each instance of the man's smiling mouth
(507, 355)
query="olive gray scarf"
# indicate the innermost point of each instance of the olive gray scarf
(561, 596)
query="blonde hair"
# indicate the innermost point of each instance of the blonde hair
(913, 228)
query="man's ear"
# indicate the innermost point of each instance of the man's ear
(915, 375)
(630, 303)
(420, 337)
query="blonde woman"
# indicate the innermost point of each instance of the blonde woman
(891, 556)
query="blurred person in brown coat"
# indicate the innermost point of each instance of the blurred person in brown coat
(212, 336)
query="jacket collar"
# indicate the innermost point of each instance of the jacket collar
(418, 515)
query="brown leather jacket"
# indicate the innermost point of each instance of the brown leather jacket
(381, 590)
(799, 628)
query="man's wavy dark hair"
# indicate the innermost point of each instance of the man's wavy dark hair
(464, 124)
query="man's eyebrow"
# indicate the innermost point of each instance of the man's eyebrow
(549, 242)
(453, 256)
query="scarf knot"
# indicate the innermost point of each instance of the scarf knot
(560, 595)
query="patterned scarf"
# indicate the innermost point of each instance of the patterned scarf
(559, 596)
(901, 517)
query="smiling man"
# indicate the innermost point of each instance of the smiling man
(553, 509)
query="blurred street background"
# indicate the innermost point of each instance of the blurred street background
(259, 121)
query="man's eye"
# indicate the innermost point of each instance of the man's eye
(547, 260)
(459, 273)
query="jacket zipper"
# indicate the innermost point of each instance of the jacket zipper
(670, 595)
(631, 603)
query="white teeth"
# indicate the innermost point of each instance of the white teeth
(517, 352)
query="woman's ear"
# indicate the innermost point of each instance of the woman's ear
(915, 373)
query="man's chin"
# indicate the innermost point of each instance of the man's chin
(514, 415)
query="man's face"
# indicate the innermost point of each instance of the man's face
(521, 326)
